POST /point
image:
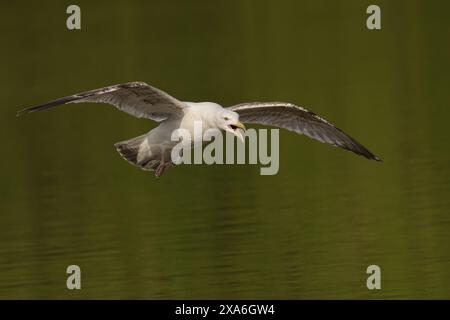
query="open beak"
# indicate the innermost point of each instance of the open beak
(237, 128)
(240, 125)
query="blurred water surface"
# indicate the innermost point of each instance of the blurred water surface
(217, 231)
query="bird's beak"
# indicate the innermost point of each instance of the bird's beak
(240, 125)
(238, 132)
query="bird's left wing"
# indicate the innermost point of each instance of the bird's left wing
(135, 98)
(300, 120)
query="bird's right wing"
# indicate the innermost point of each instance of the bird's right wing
(135, 98)
(300, 120)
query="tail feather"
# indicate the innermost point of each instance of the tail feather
(129, 149)
(140, 153)
(136, 152)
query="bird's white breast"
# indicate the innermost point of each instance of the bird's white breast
(196, 113)
(204, 112)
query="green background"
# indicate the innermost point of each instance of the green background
(202, 231)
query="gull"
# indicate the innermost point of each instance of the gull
(152, 151)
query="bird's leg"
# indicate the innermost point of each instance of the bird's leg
(159, 171)
(163, 166)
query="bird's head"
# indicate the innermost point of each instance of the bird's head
(229, 121)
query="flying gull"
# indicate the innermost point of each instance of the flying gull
(152, 151)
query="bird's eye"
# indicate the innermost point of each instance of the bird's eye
(226, 118)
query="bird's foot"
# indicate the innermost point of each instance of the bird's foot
(162, 168)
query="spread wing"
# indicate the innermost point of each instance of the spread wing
(300, 120)
(135, 98)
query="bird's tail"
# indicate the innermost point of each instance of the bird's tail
(137, 151)
(129, 149)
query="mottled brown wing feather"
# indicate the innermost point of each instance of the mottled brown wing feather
(301, 121)
(135, 98)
